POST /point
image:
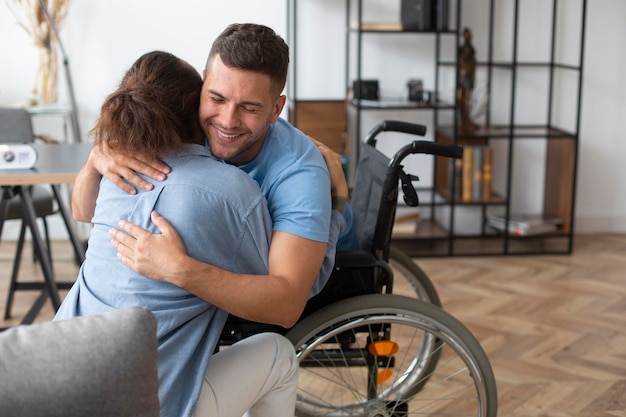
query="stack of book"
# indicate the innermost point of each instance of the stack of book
(525, 224)
(473, 174)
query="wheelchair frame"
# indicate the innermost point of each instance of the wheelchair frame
(365, 351)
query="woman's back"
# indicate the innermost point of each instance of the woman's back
(222, 218)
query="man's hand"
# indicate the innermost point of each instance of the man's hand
(121, 169)
(118, 168)
(156, 256)
(162, 257)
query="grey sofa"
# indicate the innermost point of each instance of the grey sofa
(101, 365)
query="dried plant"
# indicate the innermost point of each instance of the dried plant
(31, 17)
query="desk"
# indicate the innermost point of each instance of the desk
(56, 164)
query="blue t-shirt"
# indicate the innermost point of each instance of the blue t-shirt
(295, 181)
(294, 178)
(222, 218)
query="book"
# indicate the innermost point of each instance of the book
(467, 171)
(525, 224)
(477, 173)
(487, 175)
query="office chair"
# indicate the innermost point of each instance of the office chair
(16, 127)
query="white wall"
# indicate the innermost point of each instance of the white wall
(103, 38)
(601, 200)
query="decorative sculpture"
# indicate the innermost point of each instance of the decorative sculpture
(465, 85)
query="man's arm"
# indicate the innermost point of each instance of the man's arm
(276, 298)
(85, 192)
(120, 169)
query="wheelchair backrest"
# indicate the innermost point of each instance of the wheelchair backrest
(367, 194)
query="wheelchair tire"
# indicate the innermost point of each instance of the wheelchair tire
(342, 373)
(405, 269)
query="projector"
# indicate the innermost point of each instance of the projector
(17, 156)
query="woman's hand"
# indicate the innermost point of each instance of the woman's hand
(338, 184)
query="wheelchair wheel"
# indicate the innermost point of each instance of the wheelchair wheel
(410, 280)
(376, 356)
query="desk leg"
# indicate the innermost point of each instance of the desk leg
(6, 196)
(79, 250)
(41, 251)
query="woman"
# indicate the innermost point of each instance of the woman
(222, 219)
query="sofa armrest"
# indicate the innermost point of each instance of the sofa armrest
(100, 365)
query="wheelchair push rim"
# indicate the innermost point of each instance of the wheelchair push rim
(339, 377)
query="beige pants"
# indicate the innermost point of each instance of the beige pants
(257, 376)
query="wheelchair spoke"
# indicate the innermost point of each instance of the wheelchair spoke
(427, 368)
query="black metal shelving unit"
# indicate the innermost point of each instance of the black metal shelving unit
(437, 234)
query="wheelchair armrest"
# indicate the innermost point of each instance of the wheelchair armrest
(361, 259)
(355, 259)
(355, 273)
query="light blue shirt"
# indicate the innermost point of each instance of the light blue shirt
(294, 178)
(221, 215)
(295, 181)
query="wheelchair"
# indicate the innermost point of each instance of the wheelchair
(363, 349)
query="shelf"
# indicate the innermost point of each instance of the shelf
(483, 245)
(528, 64)
(424, 229)
(398, 104)
(494, 200)
(505, 132)
(380, 27)
(390, 27)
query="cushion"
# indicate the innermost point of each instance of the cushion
(101, 365)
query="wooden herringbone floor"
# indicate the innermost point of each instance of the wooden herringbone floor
(554, 327)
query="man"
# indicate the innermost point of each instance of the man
(239, 111)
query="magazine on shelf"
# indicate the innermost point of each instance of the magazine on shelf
(525, 224)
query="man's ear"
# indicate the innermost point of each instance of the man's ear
(278, 108)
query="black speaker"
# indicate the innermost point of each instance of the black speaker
(440, 15)
(365, 89)
(416, 15)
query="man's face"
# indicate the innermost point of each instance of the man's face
(236, 110)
